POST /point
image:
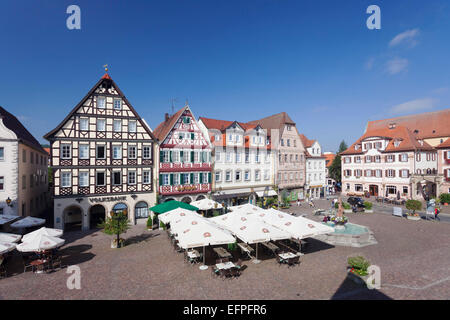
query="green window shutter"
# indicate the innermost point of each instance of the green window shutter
(192, 156)
(181, 156)
(192, 178)
(160, 180)
(161, 156)
(170, 156)
(171, 179)
(201, 177)
(181, 178)
(192, 136)
(209, 177)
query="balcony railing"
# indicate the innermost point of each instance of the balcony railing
(186, 188)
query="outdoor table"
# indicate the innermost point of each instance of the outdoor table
(222, 253)
(270, 246)
(287, 255)
(246, 247)
(38, 265)
(225, 265)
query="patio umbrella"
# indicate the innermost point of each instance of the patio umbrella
(40, 243)
(247, 208)
(6, 247)
(298, 227)
(28, 222)
(206, 204)
(171, 205)
(4, 218)
(45, 231)
(9, 237)
(176, 214)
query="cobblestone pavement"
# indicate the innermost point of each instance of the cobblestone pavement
(414, 258)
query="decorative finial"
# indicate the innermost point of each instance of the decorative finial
(106, 67)
(187, 102)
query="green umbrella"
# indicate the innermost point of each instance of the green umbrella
(171, 205)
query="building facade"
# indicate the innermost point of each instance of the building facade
(23, 170)
(330, 183)
(184, 158)
(102, 160)
(315, 168)
(243, 161)
(444, 165)
(289, 154)
(397, 157)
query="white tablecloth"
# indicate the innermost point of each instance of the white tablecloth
(287, 255)
(226, 265)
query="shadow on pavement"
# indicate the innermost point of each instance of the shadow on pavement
(349, 290)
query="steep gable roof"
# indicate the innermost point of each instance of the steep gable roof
(444, 145)
(276, 121)
(163, 129)
(24, 136)
(305, 141)
(107, 80)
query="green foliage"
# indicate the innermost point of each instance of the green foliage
(50, 175)
(345, 205)
(149, 222)
(270, 202)
(368, 205)
(162, 225)
(232, 246)
(342, 146)
(284, 199)
(359, 265)
(413, 205)
(334, 170)
(444, 197)
(115, 226)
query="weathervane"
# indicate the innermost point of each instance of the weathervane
(106, 67)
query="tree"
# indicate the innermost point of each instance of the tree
(116, 225)
(335, 168)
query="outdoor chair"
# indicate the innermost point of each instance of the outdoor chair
(26, 259)
(239, 264)
(214, 271)
(235, 272)
(218, 261)
(293, 261)
(225, 259)
(55, 261)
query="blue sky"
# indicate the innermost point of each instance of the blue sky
(233, 60)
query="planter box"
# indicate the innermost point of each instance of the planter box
(368, 211)
(413, 218)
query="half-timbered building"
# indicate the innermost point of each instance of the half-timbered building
(102, 155)
(184, 158)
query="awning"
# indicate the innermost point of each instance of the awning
(270, 193)
(4, 218)
(28, 222)
(231, 195)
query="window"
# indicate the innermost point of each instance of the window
(66, 151)
(404, 157)
(176, 179)
(238, 157)
(117, 152)
(257, 175)
(418, 157)
(83, 179)
(228, 176)
(266, 174)
(368, 159)
(132, 152)
(131, 177)
(288, 142)
(358, 187)
(378, 159)
(117, 125)
(347, 160)
(238, 175)
(218, 153)
(66, 179)
(218, 176)
(358, 173)
(247, 175)
(2, 154)
(101, 102)
(165, 156)
(24, 182)
(197, 155)
(117, 104)
(165, 179)
(247, 157)
(391, 189)
(390, 158)
(282, 142)
(378, 173)
(196, 177)
(257, 157)
(100, 178)
(146, 177)
(228, 156)
(185, 178)
(405, 190)
(31, 157)
(117, 178)
(84, 124)
(390, 173)
(404, 173)
(358, 159)
(132, 126)
(24, 156)
(84, 151)
(146, 152)
(100, 152)
(186, 120)
(2, 183)
(186, 156)
(101, 125)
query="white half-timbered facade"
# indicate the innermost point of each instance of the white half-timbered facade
(102, 155)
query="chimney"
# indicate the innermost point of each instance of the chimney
(166, 117)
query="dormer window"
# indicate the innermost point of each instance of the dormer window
(357, 146)
(392, 125)
(217, 137)
(396, 143)
(421, 142)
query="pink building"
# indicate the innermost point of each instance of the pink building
(444, 165)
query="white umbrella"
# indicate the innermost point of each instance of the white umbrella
(299, 227)
(40, 243)
(175, 214)
(4, 218)
(9, 237)
(247, 208)
(45, 231)
(6, 247)
(28, 222)
(206, 204)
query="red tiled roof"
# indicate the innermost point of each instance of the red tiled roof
(329, 157)
(306, 142)
(444, 145)
(164, 127)
(47, 150)
(276, 121)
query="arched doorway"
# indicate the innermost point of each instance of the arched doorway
(73, 218)
(169, 199)
(186, 200)
(97, 214)
(120, 208)
(141, 210)
(200, 198)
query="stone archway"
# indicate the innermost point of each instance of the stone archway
(97, 214)
(141, 210)
(201, 197)
(73, 218)
(186, 200)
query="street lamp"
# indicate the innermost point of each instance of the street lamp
(9, 202)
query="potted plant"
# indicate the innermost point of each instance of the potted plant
(339, 221)
(149, 223)
(357, 269)
(116, 224)
(162, 225)
(413, 205)
(368, 207)
(445, 198)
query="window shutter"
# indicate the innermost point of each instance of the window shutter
(192, 178)
(386, 173)
(209, 177)
(182, 178)
(445, 155)
(171, 179)
(170, 156)
(161, 156)
(399, 157)
(393, 171)
(446, 173)
(181, 156)
(192, 136)
(192, 156)
(408, 175)
(349, 159)
(160, 180)
(201, 178)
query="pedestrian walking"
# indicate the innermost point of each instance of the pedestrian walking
(298, 203)
(437, 210)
